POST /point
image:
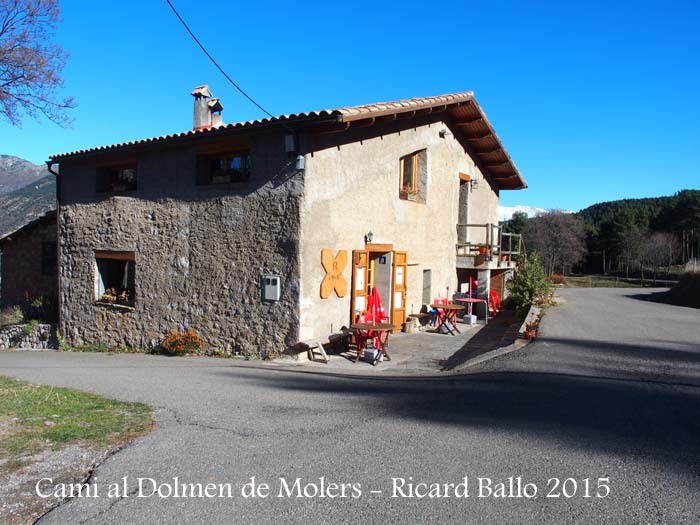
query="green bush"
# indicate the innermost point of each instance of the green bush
(530, 284)
(29, 326)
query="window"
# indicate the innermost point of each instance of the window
(224, 168)
(48, 258)
(413, 176)
(115, 277)
(115, 179)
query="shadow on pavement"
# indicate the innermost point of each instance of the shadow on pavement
(501, 331)
(597, 407)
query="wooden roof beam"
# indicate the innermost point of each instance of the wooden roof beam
(486, 151)
(480, 137)
(469, 122)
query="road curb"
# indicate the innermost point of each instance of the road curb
(532, 314)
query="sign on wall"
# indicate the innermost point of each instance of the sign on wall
(334, 279)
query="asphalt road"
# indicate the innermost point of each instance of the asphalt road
(611, 389)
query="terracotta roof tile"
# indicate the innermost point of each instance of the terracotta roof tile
(345, 114)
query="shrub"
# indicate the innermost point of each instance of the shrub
(557, 278)
(179, 343)
(40, 308)
(29, 326)
(11, 315)
(529, 284)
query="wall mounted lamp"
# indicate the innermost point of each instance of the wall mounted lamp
(368, 237)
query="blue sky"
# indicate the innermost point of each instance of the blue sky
(594, 101)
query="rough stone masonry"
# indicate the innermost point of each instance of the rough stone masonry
(199, 254)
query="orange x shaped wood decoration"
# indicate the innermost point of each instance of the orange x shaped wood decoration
(334, 266)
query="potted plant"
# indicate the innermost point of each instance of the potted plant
(123, 297)
(408, 193)
(109, 295)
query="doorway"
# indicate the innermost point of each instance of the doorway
(380, 267)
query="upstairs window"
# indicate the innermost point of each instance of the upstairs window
(224, 168)
(115, 277)
(413, 176)
(116, 179)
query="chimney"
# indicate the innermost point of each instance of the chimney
(207, 110)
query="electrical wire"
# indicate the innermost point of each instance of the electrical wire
(215, 62)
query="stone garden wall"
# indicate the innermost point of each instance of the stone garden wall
(40, 337)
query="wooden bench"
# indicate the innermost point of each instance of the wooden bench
(320, 345)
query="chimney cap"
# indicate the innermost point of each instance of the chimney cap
(201, 91)
(215, 105)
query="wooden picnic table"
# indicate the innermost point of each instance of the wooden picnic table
(447, 313)
(377, 332)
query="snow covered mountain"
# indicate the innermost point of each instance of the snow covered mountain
(505, 213)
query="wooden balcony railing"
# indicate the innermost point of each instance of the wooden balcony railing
(489, 240)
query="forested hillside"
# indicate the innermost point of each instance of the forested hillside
(21, 206)
(630, 235)
(633, 232)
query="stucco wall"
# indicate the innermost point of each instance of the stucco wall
(22, 274)
(352, 187)
(199, 254)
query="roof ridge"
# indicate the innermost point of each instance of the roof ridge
(346, 111)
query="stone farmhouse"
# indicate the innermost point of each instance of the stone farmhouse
(265, 233)
(28, 265)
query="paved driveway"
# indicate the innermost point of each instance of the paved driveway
(610, 390)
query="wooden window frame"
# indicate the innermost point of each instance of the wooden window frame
(405, 191)
(116, 255)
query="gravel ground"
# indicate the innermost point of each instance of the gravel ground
(70, 465)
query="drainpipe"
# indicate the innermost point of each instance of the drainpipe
(49, 166)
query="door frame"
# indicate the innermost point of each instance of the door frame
(361, 260)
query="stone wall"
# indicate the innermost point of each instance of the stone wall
(41, 337)
(24, 277)
(199, 254)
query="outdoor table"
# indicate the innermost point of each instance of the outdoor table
(470, 302)
(367, 331)
(447, 313)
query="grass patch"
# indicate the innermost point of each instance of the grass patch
(597, 281)
(35, 418)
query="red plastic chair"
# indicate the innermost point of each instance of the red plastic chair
(494, 303)
(368, 335)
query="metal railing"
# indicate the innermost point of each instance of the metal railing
(489, 240)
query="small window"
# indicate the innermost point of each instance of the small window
(115, 277)
(413, 176)
(48, 258)
(116, 179)
(224, 168)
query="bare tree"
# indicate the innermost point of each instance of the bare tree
(30, 65)
(559, 237)
(654, 250)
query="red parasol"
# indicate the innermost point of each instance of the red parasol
(374, 306)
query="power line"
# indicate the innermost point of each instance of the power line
(216, 63)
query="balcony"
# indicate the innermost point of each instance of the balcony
(487, 246)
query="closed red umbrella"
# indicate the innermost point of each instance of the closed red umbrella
(374, 306)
